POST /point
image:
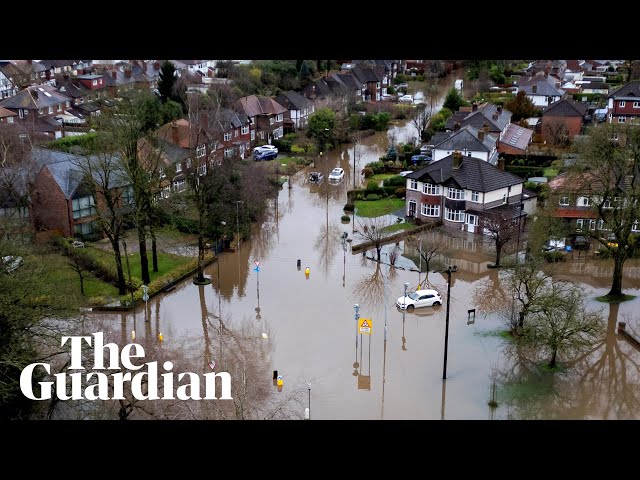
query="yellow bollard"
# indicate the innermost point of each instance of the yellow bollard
(280, 381)
(160, 337)
(133, 334)
(306, 272)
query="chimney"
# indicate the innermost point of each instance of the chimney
(34, 93)
(485, 127)
(156, 65)
(499, 108)
(474, 107)
(481, 135)
(495, 115)
(457, 159)
(114, 74)
(534, 88)
(175, 133)
(456, 127)
(127, 73)
(500, 164)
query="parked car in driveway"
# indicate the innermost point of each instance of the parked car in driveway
(406, 99)
(419, 298)
(265, 155)
(405, 173)
(336, 174)
(265, 148)
(420, 158)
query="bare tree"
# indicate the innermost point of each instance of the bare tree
(529, 285)
(420, 118)
(373, 230)
(431, 244)
(607, 172)
(562, 324)
(80, 268)
(502, 227)
(556, 132)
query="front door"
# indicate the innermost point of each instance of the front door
(472, 221)
(412, 209)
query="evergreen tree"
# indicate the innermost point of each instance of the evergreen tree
(167, 80)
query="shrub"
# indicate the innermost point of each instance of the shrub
(345, 218)
(349, 207)
(397, 181)
(391, 90)
(367, 172)
(372, 196)
(553, 257)
(297, 149)
(283, 145)
(389, 190)
(400, 192)
(377, 167)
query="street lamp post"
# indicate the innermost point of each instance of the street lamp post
(449, 271)
(309, 387)
(238, 202)
(145, 297)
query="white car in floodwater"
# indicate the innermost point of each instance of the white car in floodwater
(336, 174)
(419, 298)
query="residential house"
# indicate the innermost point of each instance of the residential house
(56, 68)
(623, 105)
(7, 87)
(515, 140)
(488, 115)
(170, 162)
(266, 116)
(601, 88)
(6, 116)
(193, 66)
(18, 74)
(351, 85)
(325, 87)
(458, 190)
(371, 79)
(470, 141)
(564, 118)
(61, 202)
(298, 110)
(540, 91)
(40, 108)
(573, 204)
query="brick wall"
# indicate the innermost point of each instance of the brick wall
(50, 209)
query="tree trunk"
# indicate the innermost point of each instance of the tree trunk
(115, 244)
(154, 251)
(552, 363)
(378, 252)
(200, 257)
(616, 284)
(498, 254)
(81, 283)
(144, 261)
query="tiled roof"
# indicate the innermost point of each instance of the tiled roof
(33, 98)
(293, 101)
(467, 138)
(254, 105)
(473, 174)
(543, 87)
(366, 74)
(631, 89)
(565, 108)
(6, 113)
(517, 137)
(574, 213)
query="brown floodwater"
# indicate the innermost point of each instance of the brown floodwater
(397, 375)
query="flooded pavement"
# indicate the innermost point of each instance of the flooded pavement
(311, 326)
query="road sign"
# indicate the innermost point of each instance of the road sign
(364, 326)
(256, 269)
(257, 262)
(145, 297)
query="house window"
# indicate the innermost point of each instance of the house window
(83, 207)
(564, 201)
(271, 120)
(635, 227)
(202, 169)
(580, 223)
(455, 194)
(21, 113)
(180, 185)
(475, 196)
(606, 204)
(584, 202)
(161, 172)
(227, 137)
(504, 198)
(166, 191)
(454, 215)
(94, 83)
(228, 152)
(253, 134)
(622, 103)
(188, 163)
(261, 135)
(9, 119)
(430, 189)
(636, 104)
(377, 84)
(622, 119)
(278, 132)
(201, 151)
(127, 196)
(615, 137)
(245, 130)
(178, 167)
(430, 210)
(84, 228)
(413, 184)
(51, 109)
(279, 118)
(236, 132)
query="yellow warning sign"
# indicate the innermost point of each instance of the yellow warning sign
(364, 326)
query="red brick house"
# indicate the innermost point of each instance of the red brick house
(266, 116)
(7, 116)
(373, 81)
(562, 121)
(60, 201)
(624, 104)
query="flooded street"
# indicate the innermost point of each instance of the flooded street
(311, 324)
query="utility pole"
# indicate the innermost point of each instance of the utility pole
(446, 328)
(238, 202)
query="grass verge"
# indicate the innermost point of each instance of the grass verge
(615, 298)
(377, 208)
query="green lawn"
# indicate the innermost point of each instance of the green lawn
(550, 172)
(382, 176)
(399, 226)
(166, 262)
(377, 208)
(57, 272)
